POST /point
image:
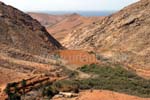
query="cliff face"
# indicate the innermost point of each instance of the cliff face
(124, 36)
(20, 31)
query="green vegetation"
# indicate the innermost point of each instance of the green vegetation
(67, 86)
(12, 95)
(13, 92)
(116, 79)
(110, 78)
(49, 91)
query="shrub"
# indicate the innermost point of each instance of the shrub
(115, 78)
(49, 92)
(110, 78)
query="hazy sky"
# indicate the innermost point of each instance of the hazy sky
(68, 5)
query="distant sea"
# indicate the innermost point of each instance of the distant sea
(83, 13)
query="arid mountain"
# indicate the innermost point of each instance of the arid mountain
(123, 36)
(60, 26)
(20, 31)
(46, 19)
(33, 65)
(24, 43)
(70, 24)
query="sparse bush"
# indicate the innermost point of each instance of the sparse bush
(91, 52)
(116, 79)
(12, 95)
(49, 92)
(109, 78)
(66, 86)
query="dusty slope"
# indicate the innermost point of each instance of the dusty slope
(102, 95)
(60, 26)
(46, 19)
(124, 36)
(70, 24)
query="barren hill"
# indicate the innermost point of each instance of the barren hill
(123, 36)
(46, 19)
(25, 46)
(70, 24)
(19, 30)
(24, 43)
(60, 26)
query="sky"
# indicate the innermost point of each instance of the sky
(69, 5)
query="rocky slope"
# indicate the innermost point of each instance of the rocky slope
(123, 36)
(19, 30)
(24, 46)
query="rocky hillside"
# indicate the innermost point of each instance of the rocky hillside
(123, 36)
(20, 31)
(24, 46)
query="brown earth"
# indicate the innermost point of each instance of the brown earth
(78, 57)
(102, 95)
(122, 37)
(9, 76)
(60, 26)
(25, 46)
(70, 24)
(15, 69)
